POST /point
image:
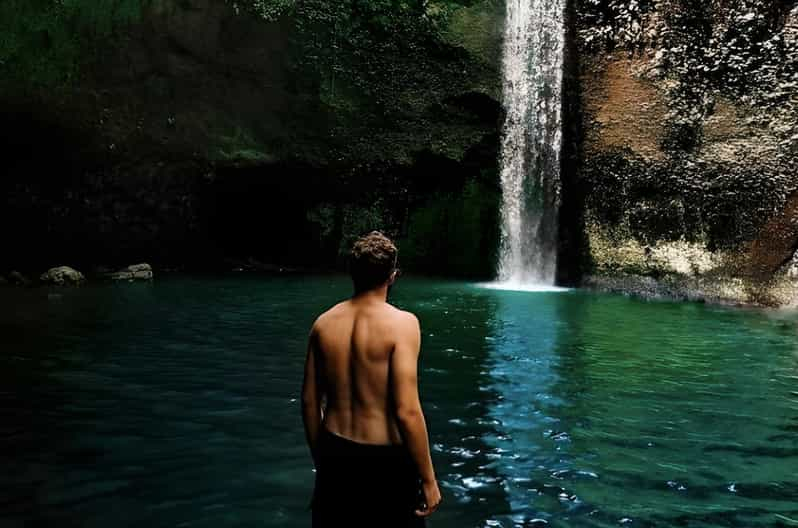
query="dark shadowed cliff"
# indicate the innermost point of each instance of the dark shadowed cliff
(205, 131)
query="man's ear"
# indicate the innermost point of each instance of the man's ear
(392, 278)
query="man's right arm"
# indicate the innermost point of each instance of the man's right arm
(410, 417)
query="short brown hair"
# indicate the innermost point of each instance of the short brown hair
(372, 260)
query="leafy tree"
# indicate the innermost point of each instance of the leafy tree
(43, 42)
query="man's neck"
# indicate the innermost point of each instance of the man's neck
(378, 294)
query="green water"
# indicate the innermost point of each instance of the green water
(175, 404)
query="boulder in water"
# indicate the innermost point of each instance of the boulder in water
(133, 272)
(62, 275)
(18, 279)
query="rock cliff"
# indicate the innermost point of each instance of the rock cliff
(689, 133)
(271, 132)
(206, 130)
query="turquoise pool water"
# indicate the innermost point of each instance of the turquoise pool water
(176, 404)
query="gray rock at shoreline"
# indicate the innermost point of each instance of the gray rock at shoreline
(18, 279)
(647, 287)
(133, 272)
(62, 275)
(715, 288)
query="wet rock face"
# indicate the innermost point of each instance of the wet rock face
(690, 123)
(62, 275)
(134, 272)
(791, 268)
(18, 279)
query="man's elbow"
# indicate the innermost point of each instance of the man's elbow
(409, 415)
(309, 401)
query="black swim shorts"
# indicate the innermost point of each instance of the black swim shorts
(364, 485)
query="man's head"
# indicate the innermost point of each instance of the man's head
(372, 261)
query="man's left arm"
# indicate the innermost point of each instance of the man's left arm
(311, 397)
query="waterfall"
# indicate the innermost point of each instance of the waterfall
(534, 40)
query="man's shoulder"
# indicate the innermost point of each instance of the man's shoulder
(405, 329)
(388, 313)
(328, 315)
(403, 317)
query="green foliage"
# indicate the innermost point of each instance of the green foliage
(44, 42)
(477, 28)
(372, 71)
(238, 145)
(370, 44)
(378, 64)
(269, 10)
(370, 75)
(455, 235)
(358, 220)
(323, 218)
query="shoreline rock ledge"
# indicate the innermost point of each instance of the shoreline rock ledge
(62, 275)
(132, 273)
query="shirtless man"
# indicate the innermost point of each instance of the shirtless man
(361, 408)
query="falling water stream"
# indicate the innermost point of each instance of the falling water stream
(532, 139)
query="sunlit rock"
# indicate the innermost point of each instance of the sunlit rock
(792, 267)
(133, 272)
(62, 275)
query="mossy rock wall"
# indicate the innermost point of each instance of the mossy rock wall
(689, 133)
(205, 129)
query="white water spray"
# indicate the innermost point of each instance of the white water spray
(534, 41)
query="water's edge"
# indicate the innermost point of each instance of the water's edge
(779, 293)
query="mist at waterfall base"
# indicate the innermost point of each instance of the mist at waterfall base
(531, 143)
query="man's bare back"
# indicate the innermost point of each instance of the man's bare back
(354, 343)
(360, 403)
